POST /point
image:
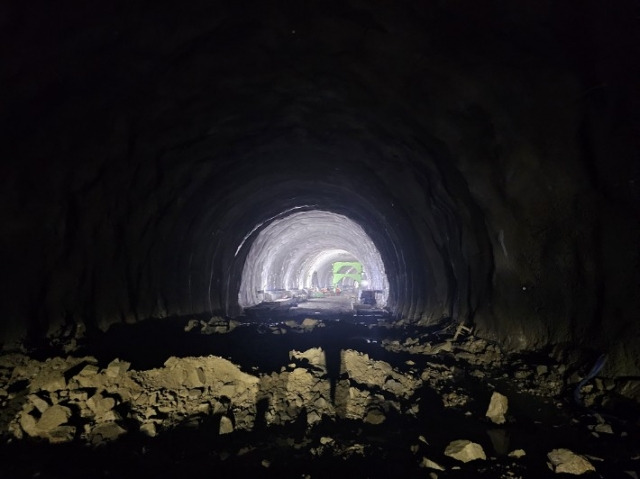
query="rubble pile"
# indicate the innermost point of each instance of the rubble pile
(564, 460)
(81, 400)
(483, 359)
(373, 388)
(70, 398)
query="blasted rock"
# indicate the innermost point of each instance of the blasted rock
(117, 368)
(429, 464)
(106, 431)
(149, 429)
(374, 416)
(100, 405)
(497, 408)
(568, 462)
(464, 450)
(226, 426)
(53, 417)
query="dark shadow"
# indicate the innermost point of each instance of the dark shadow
(262, 406)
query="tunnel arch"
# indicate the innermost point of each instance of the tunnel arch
(288, 250)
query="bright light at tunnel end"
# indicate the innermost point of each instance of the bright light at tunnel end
(292, 250)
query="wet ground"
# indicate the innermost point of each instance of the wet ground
(338, 448)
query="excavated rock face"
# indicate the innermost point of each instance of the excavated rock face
(487, 153)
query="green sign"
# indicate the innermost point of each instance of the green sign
(344, 269)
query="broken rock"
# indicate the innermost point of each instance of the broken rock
(429, 464)
(149, 429)
(100, 405)
(517, 453)
(568, 462)
(53, 417)
(226, 426)
(497, 408)
(374, 416)
(117, 368)
(106, 431)
(464, 450)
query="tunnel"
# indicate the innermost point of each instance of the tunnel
(289, 251)
(174, 171)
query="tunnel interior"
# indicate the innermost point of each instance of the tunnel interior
(172, 177)
(288, 252)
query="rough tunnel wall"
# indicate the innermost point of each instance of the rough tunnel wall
(140, 158)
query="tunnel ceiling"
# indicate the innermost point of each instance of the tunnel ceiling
(489, 153)
(287, 252)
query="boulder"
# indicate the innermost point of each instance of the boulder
(117, 368)
(61, 434)
(568, 462)
(315, 357)
(28, 424)
(106, 431)
(100, 405)
(53, 417)
(464, 450)
(498, 406)
(375, 416)
(226, 426)
(39, 403)
(149, 429)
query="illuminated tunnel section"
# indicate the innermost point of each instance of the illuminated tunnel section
(288, 251)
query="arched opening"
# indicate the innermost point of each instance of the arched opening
(302, 251)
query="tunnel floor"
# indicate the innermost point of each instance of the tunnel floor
(451, 383)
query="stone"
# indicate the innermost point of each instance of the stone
(630, 388)
(309, 323)
(191, 325)
(149, 429)
(100, 405)
(28, 424)
(498, 406)
(78, 395)
(517, 453)
(446, 346)
(53, 417)
(39, 403)
(374, 416)
(604, 428)
(89, 370)
(226, 426)
(61, 434)
(49, 381)
(429, 464)
(106, 431)
(315, 357)
(541, 369)
(464, 450)
(568, 462)
(117, 368)
(196, 378)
